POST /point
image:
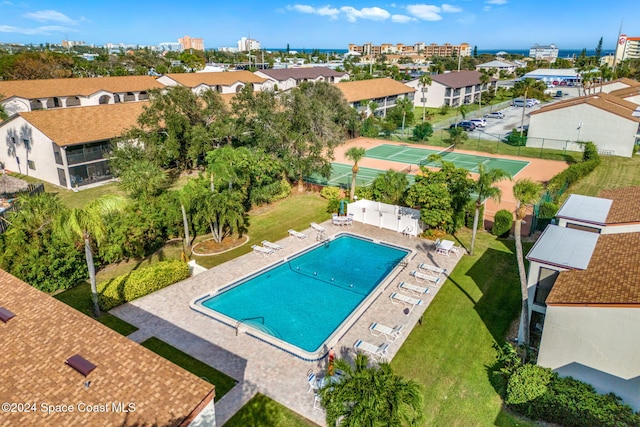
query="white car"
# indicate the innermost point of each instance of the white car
(495, 115)
(479, 122)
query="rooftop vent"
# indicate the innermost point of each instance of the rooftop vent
(5, 315)
(80, 364)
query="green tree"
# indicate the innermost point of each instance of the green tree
(355, 154)
(89, 224)
(372, 396)
(484, 79)
(142, 179)
(422, 131)
(485, 189)
(457, 136)
(424, 81)
(221, 211)
(390, 187)
(526, 192)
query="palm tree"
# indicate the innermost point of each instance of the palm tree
(526, 192)
(355, 154)
(371, 396)
(486, 190)
(425, 80)
(89, 225)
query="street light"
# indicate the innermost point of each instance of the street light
(579, 127)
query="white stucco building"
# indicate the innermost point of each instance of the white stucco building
(584, 292)
(28, 95)
(604, 119)
(452, 89)
(546, 52)
(383, 92)
(68, 147)
(288, 78)
(222, 82)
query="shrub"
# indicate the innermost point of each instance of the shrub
(590, 152)
(547, 210)
(422, 131)
(502, 223)
(515, 139)
(330, 193)
(141, 282)
(364, 192)
(527, 383)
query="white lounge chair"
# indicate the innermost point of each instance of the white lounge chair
(297, 234)
(422, 277)
(390, 334)
(432, 268)
(377, 352)
(274, 246)
(262, 250)
(312, 380)
(407, 301)
(318, 228)
(416, 290)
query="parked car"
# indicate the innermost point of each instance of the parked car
(523, 103)
(533, 101)
(479, 123)
(495, 115)
(465, 124)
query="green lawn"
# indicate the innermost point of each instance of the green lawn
(450, 352)
(613, 172)
(261, 411)
(79, 297)
(223, 382)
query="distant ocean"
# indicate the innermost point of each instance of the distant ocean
(563, 53)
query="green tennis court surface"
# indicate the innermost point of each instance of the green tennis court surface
(419, 156)
(341, 176)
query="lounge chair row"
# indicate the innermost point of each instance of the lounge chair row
(267, 248)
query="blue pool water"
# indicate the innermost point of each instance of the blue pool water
(304, 300)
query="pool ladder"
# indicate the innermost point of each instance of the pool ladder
(241, 321)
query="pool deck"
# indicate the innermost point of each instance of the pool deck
(257, 366)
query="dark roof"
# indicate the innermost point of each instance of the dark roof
(45, 334)
(310, 73)
(626, 205)
(458, 79)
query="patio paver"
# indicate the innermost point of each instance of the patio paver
(257, 366)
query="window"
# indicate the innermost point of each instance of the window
(31, 164)
(584, 228)
(546, 279)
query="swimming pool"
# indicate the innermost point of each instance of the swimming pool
(302, 303)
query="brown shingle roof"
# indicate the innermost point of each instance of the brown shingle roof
(223, 78)
(45, 332)
(372, 89)
(458, 79)
(625, 92)
(626, 204)
(311, 73)
(77, 125)
(31, 89)
(611, 278)
(601, 100)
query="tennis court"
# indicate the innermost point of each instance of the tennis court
(419, 156)
(341, 176)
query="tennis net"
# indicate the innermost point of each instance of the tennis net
(441, 153)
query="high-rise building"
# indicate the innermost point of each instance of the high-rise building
(420, 48)
(547, 53)
(191, 43)
(627, 48)
(71, 43)
(246, 45)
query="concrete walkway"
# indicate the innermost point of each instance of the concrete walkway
(257, 366)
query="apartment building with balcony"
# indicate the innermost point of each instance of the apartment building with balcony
(420, 48)
(627, 48)
(452, 89)
(545, 52)
(383, 92)
(583, 293)
(191, 43)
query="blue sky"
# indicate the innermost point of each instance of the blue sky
(488, 24)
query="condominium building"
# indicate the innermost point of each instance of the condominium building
(245, 44)
(627, 48)
(420, 48)
(191, 43)
(547, 53)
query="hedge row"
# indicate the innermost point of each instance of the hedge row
(569, 176)
(141, 282)
(541, 394)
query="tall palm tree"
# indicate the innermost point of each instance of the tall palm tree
(355, 154)
(486, 190)
(425, 80)
(526, 193)
(89, 225)
(371, 396)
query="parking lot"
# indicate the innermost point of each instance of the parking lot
(513, 117)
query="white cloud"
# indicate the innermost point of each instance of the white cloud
(426, 12)
(46, 30)
(450, 8)
(49, 15)
(370, 13)
(497, 2)
(302, 8)
(401, 19)
(328, 11)
(486, 8)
